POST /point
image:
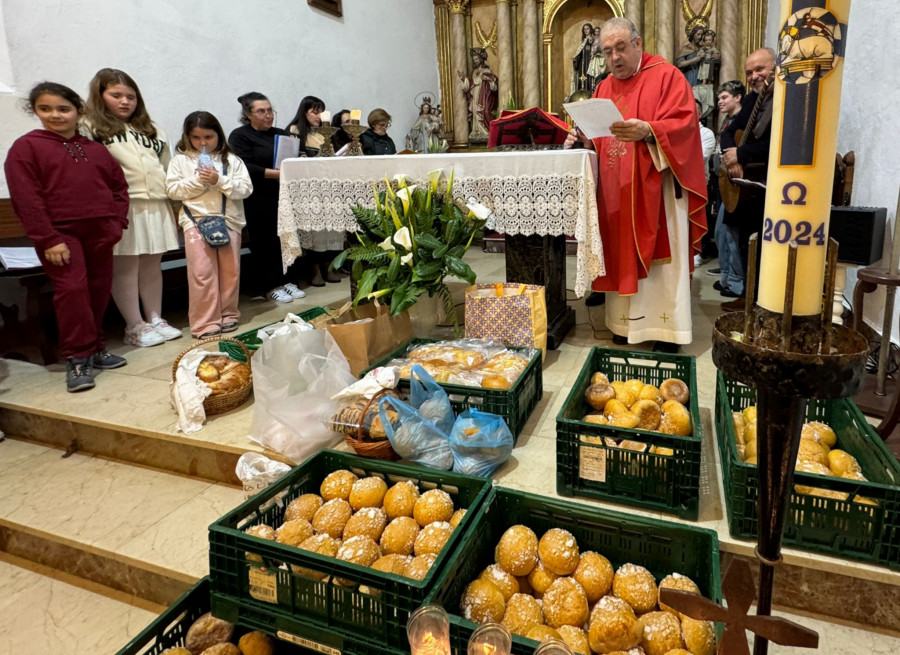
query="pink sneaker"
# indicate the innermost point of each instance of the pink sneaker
(165, 330)
(144, 335)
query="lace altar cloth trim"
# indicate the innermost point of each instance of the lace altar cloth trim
(546, 204)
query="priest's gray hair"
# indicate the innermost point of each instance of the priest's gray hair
(619, 23)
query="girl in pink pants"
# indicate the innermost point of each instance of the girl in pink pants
(209, 185)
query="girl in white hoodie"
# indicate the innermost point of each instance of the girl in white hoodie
(205, 186)
(117, 118)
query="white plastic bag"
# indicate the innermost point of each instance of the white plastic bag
(257, 472)
(294, 377)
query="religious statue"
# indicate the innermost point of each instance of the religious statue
(707, 73)
(427, 130)
(597, 68)
(481, 95)
(582, 60)
(691, 55)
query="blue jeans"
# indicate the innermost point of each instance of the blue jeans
(729, 255)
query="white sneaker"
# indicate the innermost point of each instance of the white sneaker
(295, 291)
(165, 330)
(144, 336)
(698, 261)
(279, 295)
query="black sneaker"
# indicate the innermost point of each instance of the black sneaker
(103, 359)
(717, 285)
(79, 374)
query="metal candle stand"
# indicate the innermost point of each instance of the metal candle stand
(787, 359)
(354, 129)
(326, 130)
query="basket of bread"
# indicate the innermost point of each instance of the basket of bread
(229, 380)
(358, 420)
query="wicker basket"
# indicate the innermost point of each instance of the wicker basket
(367, 447)
(218, 403)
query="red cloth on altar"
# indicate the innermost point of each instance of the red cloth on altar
(629, 191)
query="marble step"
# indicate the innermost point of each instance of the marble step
(45, 611)
(126, 417)
(130, 528)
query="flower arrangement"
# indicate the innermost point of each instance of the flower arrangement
(414, 238)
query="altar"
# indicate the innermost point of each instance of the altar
(536, 198)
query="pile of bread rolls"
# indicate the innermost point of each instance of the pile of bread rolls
(222, 374)
(548, 588)
(633, 404)
(396, 530)
(818, 454)
(469, 362)
(211, 636)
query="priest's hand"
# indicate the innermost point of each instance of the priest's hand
(577, 135)
(633, 129)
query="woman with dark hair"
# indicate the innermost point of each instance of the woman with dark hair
(375, 140)
(323, 246)
(582, 60)
(254, 142)
(306, 118)
(340, 138)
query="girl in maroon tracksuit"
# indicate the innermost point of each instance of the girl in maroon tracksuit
(72, 199)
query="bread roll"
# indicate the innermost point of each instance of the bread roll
(369, 522)
(675, 389)
(303, 507)
(661, 633)
(294, 533)
(558, 551)
(337, 484)
(432, 538)
(517, 550)
(564, 603)
(575, 638)
(433, 505)
(699, 636)
(595, 574)
(400, 536)
(679, 582)
(505, 582)
(522, 613)
(332, 517)
(207, 631)
(613, 626)
(256, 643)
(482, 602)
(635, 585)
(400, 499)
(367, 492)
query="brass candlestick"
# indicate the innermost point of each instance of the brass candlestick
(325, 129)
(354, 129)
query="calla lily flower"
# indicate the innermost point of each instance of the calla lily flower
(407, 259)
(387, 244)
(405, 195)
(400, 178)
(403, 237)
(480, 211)
(434, 177)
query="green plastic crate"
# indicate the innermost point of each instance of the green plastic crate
(585, 466)
(375, 604)
(253, 342)
(514, 405)
(660, 546)
(170, 629)
(839, 528)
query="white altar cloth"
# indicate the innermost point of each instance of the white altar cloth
(549, 192)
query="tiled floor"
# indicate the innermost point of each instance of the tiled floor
(163, 522)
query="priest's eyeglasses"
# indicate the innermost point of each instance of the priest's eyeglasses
(619, 49)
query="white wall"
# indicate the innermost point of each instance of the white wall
(868, 123)
(203, 54)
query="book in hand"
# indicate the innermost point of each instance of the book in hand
(285, 147)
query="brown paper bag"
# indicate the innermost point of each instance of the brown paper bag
(364, 342)
(517, 317)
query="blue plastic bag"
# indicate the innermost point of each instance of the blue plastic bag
(480, 443)
(430, 399)
(414, 438)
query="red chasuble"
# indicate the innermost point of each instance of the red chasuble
(629, 193)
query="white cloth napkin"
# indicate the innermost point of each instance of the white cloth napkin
(188, 392)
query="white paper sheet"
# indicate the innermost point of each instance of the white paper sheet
(594, 116)
(14, 258)
(285, 146)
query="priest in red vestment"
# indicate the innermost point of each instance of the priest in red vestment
(651, 192)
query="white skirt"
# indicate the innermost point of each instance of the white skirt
(151, 229)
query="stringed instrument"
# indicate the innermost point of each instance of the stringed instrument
(730, 191)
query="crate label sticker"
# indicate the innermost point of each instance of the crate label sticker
(306, 643)
(263, 585)
(592, 464)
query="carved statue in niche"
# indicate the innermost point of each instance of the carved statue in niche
(708, 73)
(690, 56)
(582, 60)
(481, 95)
(427, 131)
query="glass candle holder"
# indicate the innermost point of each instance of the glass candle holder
(490, 639)
(428, 631)
(553, 647)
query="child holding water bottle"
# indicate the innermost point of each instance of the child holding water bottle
(209, 180)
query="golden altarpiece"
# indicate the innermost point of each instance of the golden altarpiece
(532, 46)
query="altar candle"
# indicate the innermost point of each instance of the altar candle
(806, 106)
(325, 116)
(356, 115)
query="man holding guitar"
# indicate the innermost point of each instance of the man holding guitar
(745, 153)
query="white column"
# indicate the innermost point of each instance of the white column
(634, 11)
(665, 29)
(458, 65)
(729, 41)
(504, 52)
(531, 55)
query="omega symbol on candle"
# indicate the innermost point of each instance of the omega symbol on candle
(786, 194)
(808, 43)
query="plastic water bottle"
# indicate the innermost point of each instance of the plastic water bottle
(204, 160)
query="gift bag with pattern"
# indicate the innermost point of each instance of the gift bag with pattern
(513, 313)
